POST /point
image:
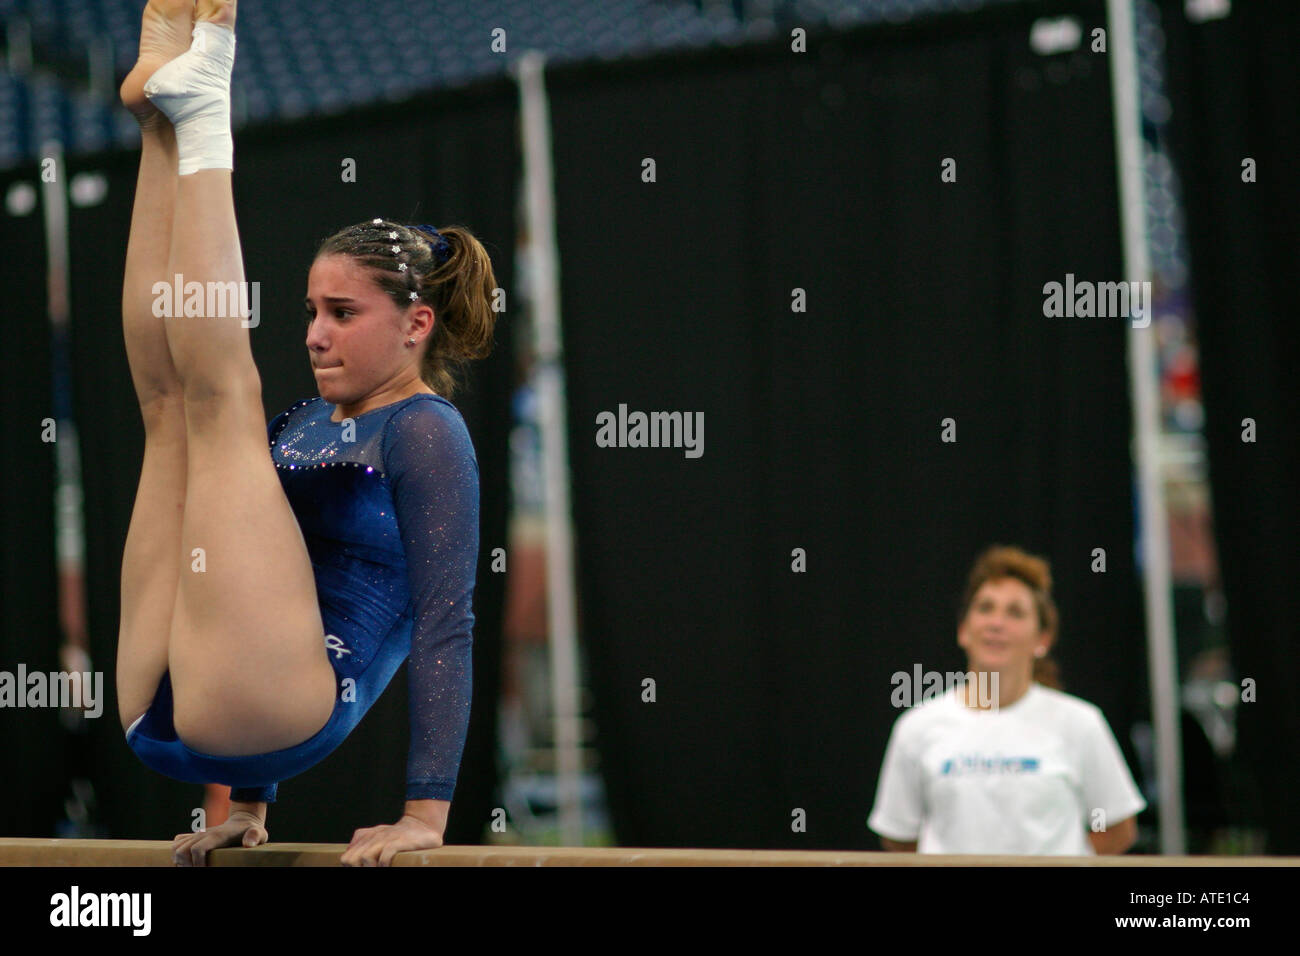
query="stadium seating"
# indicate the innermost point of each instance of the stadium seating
(298, 58)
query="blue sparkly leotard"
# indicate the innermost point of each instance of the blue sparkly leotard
(388, 505)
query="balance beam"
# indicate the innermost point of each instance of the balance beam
(40, 852)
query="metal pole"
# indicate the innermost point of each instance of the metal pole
(545, 282)
(1154, 531)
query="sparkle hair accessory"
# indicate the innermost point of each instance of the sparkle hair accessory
(438, 244)
(403, 266)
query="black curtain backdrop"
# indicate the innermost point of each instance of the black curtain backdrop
(33, 747)
(1236, 95)
(820, 171)
(447, 159)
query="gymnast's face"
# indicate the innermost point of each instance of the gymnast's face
(356, 334)
(1001, 628)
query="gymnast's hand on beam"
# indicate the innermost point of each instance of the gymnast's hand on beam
(376, 846)
(243, 828)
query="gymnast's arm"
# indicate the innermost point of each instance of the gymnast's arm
(436, 496)
(895, 846)
(1115, 839)
(430, 463)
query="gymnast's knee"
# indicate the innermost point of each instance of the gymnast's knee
(216, 402)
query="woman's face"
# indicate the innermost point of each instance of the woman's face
(1001, 629)
(354, 333)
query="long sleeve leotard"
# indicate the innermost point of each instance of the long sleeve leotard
(388, 504)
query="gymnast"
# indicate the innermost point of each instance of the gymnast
(275, 577)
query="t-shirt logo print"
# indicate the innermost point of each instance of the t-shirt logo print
(979, 763)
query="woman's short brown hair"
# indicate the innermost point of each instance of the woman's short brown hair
(1005, 561)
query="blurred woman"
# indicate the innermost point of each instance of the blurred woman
(1007, 763)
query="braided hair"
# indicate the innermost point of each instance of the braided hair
(446, 269)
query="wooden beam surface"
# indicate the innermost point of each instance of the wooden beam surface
(51, 852)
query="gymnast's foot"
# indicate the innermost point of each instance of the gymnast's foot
(193, 90)
(221, 12)
(164, 35)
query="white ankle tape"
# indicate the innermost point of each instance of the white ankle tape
(193, 91)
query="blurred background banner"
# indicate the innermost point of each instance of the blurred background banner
(1236, 137)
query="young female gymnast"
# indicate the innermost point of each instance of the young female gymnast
(268, 597)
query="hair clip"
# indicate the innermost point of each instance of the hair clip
(441, 248)
(392, 235)
(396, 249)
(377, 222)
(414, 296)
(401, 267)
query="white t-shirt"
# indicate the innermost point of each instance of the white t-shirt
(1023, 779)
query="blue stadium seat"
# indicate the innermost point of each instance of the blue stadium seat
(299, 56)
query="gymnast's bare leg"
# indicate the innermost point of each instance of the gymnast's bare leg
(242, 636)
(150, 561)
